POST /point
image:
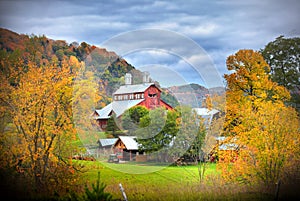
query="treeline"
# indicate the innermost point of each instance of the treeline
(42, 51)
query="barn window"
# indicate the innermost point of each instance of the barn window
(152, 95)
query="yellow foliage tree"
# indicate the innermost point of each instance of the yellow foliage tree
(88, 92)
(36, 140)
(265, 131)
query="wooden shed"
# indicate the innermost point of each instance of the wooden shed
(126, 147)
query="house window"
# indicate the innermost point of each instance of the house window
(125, 97)
(131, 96)
(142, 95)
(137, 96)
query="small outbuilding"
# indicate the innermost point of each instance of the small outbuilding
(224, 148)
(106, 144)
(126, 147)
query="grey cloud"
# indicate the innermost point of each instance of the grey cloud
(220, 27)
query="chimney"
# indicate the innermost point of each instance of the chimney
(146, 78)
(128, 80)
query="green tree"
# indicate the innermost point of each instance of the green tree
(112, 126)
(97, 193)
(131, 118)
(283, 56)
(156, 132)
(190, 136)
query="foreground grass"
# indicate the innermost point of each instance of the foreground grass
(165, 183)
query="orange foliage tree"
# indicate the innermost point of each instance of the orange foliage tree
(264, 129)
(35, 142)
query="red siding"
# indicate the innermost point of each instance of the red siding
(102, 123)
(152, 97)
(152, 101)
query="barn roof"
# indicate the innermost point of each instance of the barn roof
(107, 142)
(118, 107)
(104, 112)
(205, 111)
(135, 88)
(129, 142)
(207, 114)
(230, 145)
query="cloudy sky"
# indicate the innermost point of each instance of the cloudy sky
(177, 41)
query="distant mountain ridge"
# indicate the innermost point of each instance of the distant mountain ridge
(190, 94)
(193, 94)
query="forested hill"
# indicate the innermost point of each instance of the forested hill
(108, 66)
(45, 49)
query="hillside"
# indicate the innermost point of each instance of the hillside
(192, 94)
(45, 49)
(108, 66)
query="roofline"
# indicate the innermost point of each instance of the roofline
(101, 118)
(123, 143)
(167, 104)
(150, 84)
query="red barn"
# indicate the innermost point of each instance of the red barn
(146, 94)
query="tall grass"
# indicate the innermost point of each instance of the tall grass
(170, 183)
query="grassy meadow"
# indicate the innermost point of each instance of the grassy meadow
(165, 183)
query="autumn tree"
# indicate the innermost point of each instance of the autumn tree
(249, 84)
(35, 144)
(256, 121)
(86, 95)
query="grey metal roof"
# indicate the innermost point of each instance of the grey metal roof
(104, 112)
(221, 138)
(226, 146)
(205, 111)
(107, 142)
(135, 88)
(129, 142)
(230, 146)
(118, 107)
(207, 114)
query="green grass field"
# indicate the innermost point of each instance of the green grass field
(164, 183)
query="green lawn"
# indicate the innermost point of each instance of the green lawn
(167, 183)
